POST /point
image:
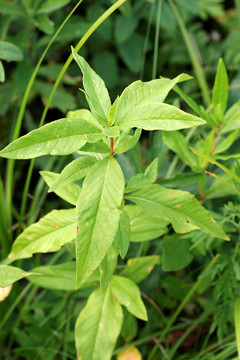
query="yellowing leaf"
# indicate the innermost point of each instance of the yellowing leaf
(131, 353)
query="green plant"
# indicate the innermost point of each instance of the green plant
(105, 207)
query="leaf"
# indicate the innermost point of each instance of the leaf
(179, 207)
(131, 52)
(122, 238)
(2, 72)
(225, 143)
(237, 322)
(60, 137)
(84, 114)
(10, 274)
(98, 214)
(52, 5)
(220, 88)
(49, 234)
(70, 193)
(129, 327)
(97, 94)
(113, 131)
(126, 142)
(141, 180)
(11, 8)
(10, 52)
(176, 254)
(138, 268)
(128, 294)
(44, 23)
(108, 266)
(75, 170)
(177, 143)
(124, 27)
(60, 277)
(98, 326)
(145, 227)
(141, 93)
(212, 161)
(159, 116)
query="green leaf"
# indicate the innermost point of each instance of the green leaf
(98, 214)
(52, 5)
(212, 161)
(75, 170)
(179, 207)
(10, 52)
(49, 234)
(97, 94)
(145, 227)
(122, 238)
(220, 88)
(84, 114)
(10, 274)
(60, 277)
(108, 266)
(11, 8)
(113, 131)
(176, 254)
(237, 323)
(130, 327)
(99, 147)
(141, 180)
(138, 268)
(44, 24)
(60, 137)
(126, 142)
(124, 27)
(225, 143)
(128, 294)
(177, 143)
(131, 52)
(139, 93)
(98, 326)
(70, 193)
(2, 72)
(159, 116)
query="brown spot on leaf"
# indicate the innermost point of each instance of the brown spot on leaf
(10, 256)
(53, 225)
(178, 206)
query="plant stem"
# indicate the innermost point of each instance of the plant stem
(85, 37)
(178, 310)
(156, 41)
(10, 164)
(192, 53)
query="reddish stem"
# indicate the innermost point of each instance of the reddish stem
(111, 146)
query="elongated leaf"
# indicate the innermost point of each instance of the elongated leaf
(237, 323)
(122, 238)
(128, 294)
(49, 234)
(137, 269)
(179, 207)
(159, 116)
(97, 94)
(52, 5)
(177, 143)
(10, 52)
(76, 170)
(212, 161)
(84, 114)
(61, 277)
(145, 227)
(98, 326)
(220, 89)
(108, 266)
(98, 214)
(141, 93)
(176, 254)
(10, 274)
(126, 142)
(141, 180)
(2, 72)
(226, 143)
(68, 193)
(60, 137)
